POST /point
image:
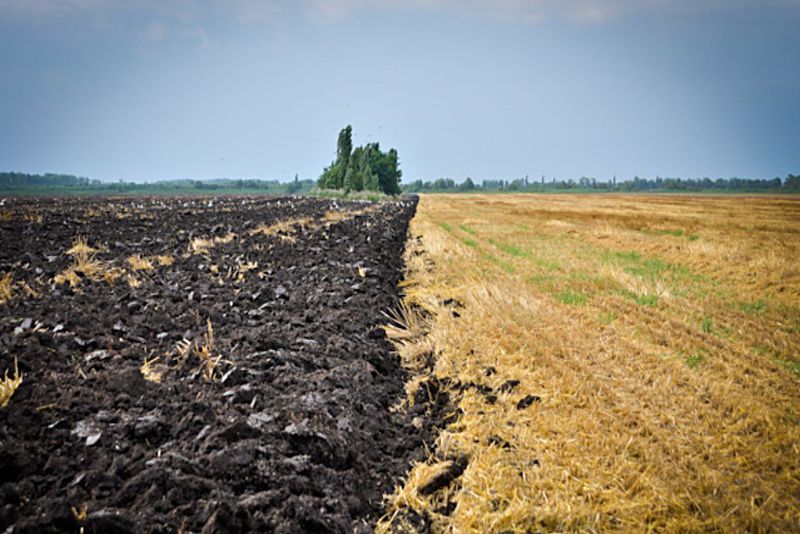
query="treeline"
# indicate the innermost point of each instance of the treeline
(790, 183)
(364, 169)
(19, 179)
(22, 182)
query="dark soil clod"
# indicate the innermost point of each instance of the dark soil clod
(508, 386)
(446, 477)
(499, 442)
(527, 401)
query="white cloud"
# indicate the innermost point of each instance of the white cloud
(156, 31)
(257, 11)
(533, 11)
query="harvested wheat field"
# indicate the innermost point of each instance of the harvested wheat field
(603, 363)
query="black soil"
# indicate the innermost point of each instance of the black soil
(295, 434)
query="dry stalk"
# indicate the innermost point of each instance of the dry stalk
(201, 245)
(6, 288)
(150, 371)
(9, 385)
(138, 263)
(84, 265)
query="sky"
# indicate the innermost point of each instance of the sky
(150, 90)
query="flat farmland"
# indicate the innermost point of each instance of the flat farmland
(460, 363)
(612, 363)
(190, 365)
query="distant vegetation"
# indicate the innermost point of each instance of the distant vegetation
(790, 184)
(372, 172)
(364, 169)
(32, 184)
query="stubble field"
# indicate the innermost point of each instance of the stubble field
(612, 363)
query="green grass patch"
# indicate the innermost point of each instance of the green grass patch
(581, 276)
(707, 325)
(372, 196)
(511, 250)
(650, 268)
(753, 308)
(791, 365)
(656, 268)
(630, 255)
(646, 300)
(547, 265)
(641, 300)
(446, 227)
(573, 298)
(470, 243)
(542, 280)
(467, 229)
(607, 318)
(507, 267)
(674, 233)
(693, 360)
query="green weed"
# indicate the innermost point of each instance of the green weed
(507, 267)
(467, 229)
(446, 227)
(752, 308)
(646, 300)
(470, 243)
(547, 265)
(511, 250)
(574, 298)
(791, 365)
(674, 233)
(694, 360)
(707, 325)
(630, 255)
(607, 318)
(542, 280)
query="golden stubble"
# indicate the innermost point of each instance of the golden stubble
(658, 337)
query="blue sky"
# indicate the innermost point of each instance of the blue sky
(147, 90)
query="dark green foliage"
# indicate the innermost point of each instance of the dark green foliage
(63, 184)
(774, 185)
(334, 176)
(364, 169)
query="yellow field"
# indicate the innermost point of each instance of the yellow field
(655, 340)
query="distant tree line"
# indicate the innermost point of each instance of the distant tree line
(790, 183)
(49, 179)
(16, 181)
(364, 169)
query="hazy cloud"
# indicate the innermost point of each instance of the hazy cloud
(530, 11)
(156, 31)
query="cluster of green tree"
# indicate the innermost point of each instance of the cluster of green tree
(13, 182)
(364, 169)
(10, 179)
(790, 183)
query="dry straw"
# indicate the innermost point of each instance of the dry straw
(654, 341)
(9, 385)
